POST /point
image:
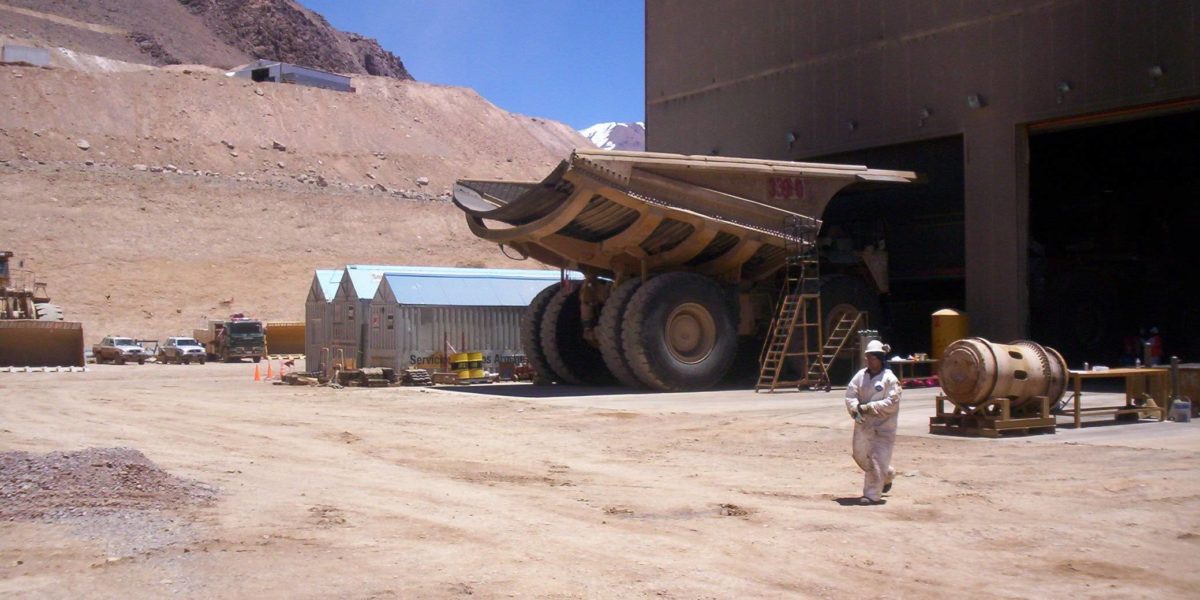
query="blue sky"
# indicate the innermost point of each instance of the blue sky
(576, 61)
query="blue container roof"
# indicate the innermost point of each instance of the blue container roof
(365, 279)
(435, 286)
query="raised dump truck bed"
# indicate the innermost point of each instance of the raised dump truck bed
(621, 212)
(671, 247)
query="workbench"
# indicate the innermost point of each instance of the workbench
(1135, 379)
(912, 365)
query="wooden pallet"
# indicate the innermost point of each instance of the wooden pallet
(993, 418)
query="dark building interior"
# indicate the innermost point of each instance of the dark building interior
(1114, 226)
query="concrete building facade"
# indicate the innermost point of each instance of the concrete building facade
(994, 100)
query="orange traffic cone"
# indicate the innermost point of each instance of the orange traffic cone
(270, 374)
(257, 375)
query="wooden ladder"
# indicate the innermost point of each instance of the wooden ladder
(849, 324)
(798, 318)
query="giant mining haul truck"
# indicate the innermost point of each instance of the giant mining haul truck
(681, 256)
(33, 332)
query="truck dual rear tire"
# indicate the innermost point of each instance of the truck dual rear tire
(567, 353)
(531, 333)
(679, 332)
(609, 333)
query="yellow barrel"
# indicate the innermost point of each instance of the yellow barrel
(949, 325)
(459, 361)
(464, 374)
(476, 359)
(478, 374)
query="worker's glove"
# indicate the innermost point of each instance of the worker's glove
(858, 414)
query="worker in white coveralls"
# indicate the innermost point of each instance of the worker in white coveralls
(873, 400)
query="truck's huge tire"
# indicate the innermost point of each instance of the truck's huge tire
(609, 333)
(571, 357)
(48, 312)
(839, 294)
(531, 333)
(680, 332)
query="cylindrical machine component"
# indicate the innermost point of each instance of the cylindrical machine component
(947, 326)
(974, 370)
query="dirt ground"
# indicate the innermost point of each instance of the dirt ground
(517, 491)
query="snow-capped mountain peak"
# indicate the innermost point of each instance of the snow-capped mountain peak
(617, 136)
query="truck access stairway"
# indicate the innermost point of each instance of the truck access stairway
(796, 329)
(848, 324)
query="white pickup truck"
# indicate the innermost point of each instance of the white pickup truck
(119, 350)
(179, 350)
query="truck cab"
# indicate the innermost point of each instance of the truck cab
(234, 339)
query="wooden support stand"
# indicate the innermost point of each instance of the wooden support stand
(993, 418)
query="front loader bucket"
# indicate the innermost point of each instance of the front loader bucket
(41, 344)
(285, 337)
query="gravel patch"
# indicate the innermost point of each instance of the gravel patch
(64, 486)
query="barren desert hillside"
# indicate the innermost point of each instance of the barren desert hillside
(150, 199)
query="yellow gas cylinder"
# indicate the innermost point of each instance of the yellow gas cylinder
(949, 325)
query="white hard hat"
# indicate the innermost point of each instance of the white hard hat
(877, 347)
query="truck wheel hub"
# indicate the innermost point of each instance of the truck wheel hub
(691, 333)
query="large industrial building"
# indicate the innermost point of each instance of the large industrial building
(1058, 140)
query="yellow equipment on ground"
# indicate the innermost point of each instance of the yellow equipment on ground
(285, 337)
(32, 330)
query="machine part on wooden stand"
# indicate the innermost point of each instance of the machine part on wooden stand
(998, 388)
(974, 370)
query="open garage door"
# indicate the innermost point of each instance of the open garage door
(1114, 232)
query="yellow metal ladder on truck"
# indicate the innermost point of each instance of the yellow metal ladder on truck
(848, 324)
(795, 330)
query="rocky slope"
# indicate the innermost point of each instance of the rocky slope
(284, 30)
(220, 33)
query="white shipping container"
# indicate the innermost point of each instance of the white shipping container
(38, 57)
